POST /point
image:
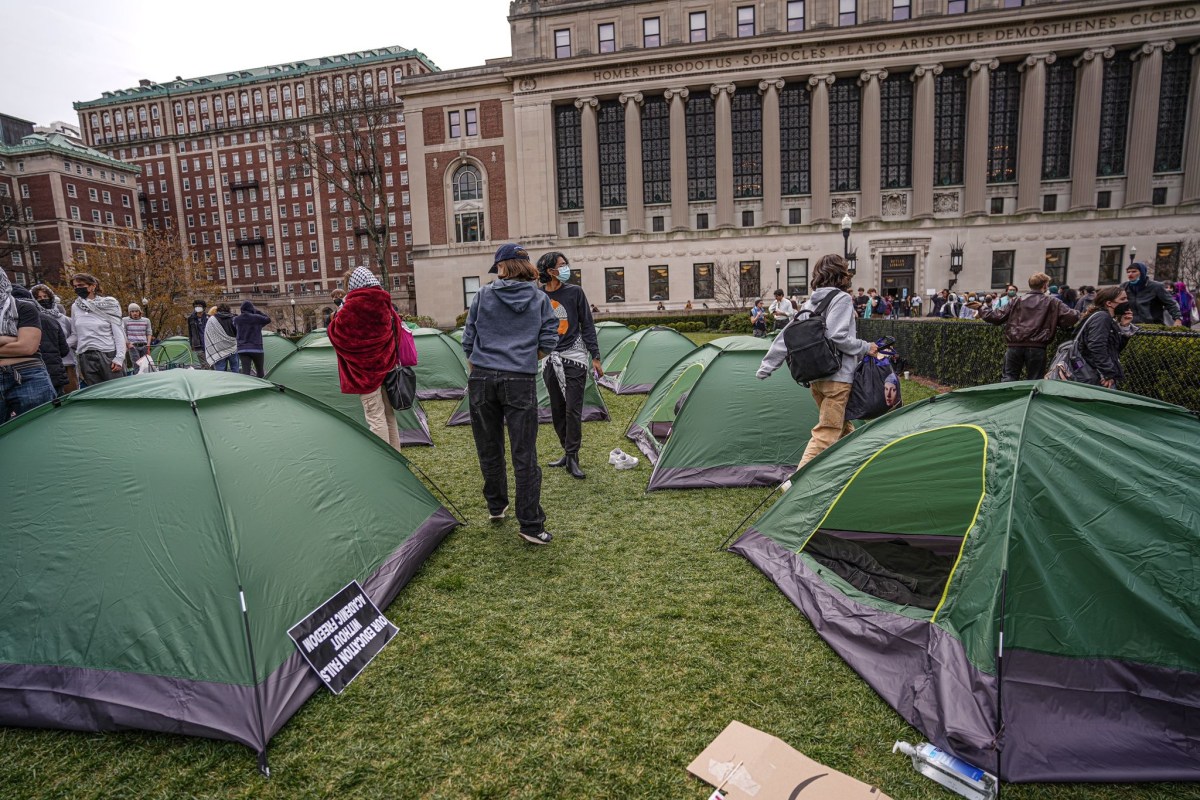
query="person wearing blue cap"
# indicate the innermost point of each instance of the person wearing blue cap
(509, 325)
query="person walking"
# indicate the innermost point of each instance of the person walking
(24, 382)
(45, 297)
(249, 325)
(781, 310)
(196, 322)
(1186, 302)
(220, 340)
(830, 276)
(99, 335)
(1029, 324)
(370, 339)
(508, 323)
(1152, 301)
(565, 368)
(1100, 337)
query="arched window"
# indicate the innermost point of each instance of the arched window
(468, 210)
(467, 183)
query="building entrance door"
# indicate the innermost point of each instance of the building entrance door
(897, 274)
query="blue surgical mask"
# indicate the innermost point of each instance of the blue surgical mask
(564, 274)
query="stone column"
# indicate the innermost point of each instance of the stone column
(924, 89)
(634, 197)
(723, 94)
(590, 135)
(1139, 167)
(869, 164)
(819, 144)
(975, 158)
(1191, 147)
(771, 164)
(679, 193)
(1030, 138)
(1085, 144)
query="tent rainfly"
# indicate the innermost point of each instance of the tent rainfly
(639, 360)
(594, 409)
(1012, 568)
(175, 351)
(609, 335)
(275, 348)
(211, 513)
(441, 365)
(709, 422)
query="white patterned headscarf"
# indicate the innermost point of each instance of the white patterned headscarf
(361, 277)
(8, 307)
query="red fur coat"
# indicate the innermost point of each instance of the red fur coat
(369, 338)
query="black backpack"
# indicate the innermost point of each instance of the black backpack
(810, 354)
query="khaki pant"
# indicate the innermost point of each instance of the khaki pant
(831, 397)
(381, 419)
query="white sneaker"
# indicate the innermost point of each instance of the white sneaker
(626, 461)
(783, 487)
(616, 455)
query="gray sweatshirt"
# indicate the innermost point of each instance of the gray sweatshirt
(840, 329)
(509, 321)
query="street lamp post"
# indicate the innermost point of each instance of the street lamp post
(852, 262)
(847, 223)
(1132, 253)
(295, 325)
(956, 262)
(777, 274)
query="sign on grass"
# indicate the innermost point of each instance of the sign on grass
(341, 636)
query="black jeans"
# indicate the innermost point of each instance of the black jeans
(96, 367)
(498, 399)
(252, 358)
(567, 412)
(1031, 359)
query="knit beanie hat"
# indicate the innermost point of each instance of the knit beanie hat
(361, 277)
(134, 307)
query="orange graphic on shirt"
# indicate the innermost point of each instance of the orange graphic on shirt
(561, 313)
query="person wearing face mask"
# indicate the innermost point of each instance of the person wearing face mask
(24, 382)
(53, 347)
(1029, 324)
(565, 368)
(99, 338)
(1010, 294)
(45, 297)
(196, 322)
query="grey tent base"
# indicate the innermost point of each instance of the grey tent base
(613, 384)
(74, 698)
(411, 437)
(745, 475)
(590, 414)
(445, 393)
(1141, 720)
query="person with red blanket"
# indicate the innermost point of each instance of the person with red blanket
(370, 339)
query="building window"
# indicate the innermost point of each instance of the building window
(1166, 262)
(956, 7)
(1172, 109)
(745, 21)
(794, 135)
(896, 115)
(568, 157)
(1056, 265)
(468, 226)
(1002, 268)
(746, 110)
(844, 100)
(658, 224)
(1114, 115)
(467, 184)
(1004, 109)
(701, 221)
(1159, 196)
(901, 9)
(1112, 264)
(702, 281)
(614, 226)
(698, 26)
(610, 124)
(1059, 120)
(660, 284)
(997, 205)
(607, 34)
(797, 277)
(747, 218)
(656, 151)
(795, 15)
(1013, 3)
(795, 216)
(1049, 202)
(847, 12)
(562, 43)
(455, 124)
(949, 127)
(701, 148)
(470, 289)
(614, 284)
(470, 116)
(748, 279)
(572, 230)
(1104, 199)
(650, 32)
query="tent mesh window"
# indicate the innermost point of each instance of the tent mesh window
(901, 546)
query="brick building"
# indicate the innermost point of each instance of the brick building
(663, 144)
(249, 166)
(56, 193)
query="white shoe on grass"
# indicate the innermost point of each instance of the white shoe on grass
(626, 461)
(616, 455)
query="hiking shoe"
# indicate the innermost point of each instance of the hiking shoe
(626, 461)
(616, 455)
(498, 515)
(537, 538)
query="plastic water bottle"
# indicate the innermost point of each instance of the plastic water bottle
(955, 774)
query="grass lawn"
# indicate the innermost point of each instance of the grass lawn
(596, 667)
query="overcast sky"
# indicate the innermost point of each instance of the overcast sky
(60, 51)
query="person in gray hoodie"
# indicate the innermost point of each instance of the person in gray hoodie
(509, 325)
(831, 394)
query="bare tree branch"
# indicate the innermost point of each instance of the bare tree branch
(733, 286)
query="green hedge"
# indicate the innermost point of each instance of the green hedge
(708, 322)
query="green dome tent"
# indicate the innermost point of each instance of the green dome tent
(312, 369)
(315, 335)
(210, 512)
(175, 351)
(275, 349)
(441, 365)
(1013, 569)
(709, 422)
(456, 335)
(594, 409)
(640, 359)
(609, 335)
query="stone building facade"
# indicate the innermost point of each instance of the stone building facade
(670, 148)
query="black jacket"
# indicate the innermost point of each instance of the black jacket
(1101, 343)
(196, 323)
(53, 350)
(1152, 303)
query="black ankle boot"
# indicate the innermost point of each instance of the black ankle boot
(562, 462)
(573, 467)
